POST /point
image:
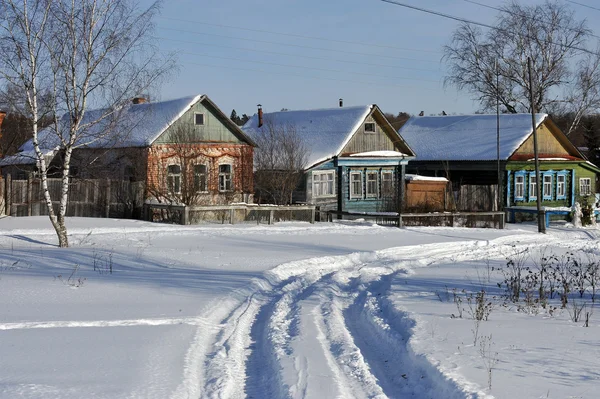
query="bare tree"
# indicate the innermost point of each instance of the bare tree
(494, 65)
(86, 54)
(279, 161)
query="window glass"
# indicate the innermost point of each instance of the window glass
(370, 127)
(519, 186)
(355, 185)
(199, 119)
(547, 187)
(200, 178)
(585, 186)
(560, 186)
(387, 183)
(225, 181)
(174, 179)
(372, 180)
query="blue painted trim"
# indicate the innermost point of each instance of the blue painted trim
(572, 187)
(508, 185)
(521, 173)
(532, 196)
(564, 195)
(544, 174)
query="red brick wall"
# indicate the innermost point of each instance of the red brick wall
(240, 156)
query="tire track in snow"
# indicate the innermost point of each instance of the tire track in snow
(223, 364)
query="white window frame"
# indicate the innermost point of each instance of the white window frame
(547, 186)
(174, 179)
(519, 186)
(226, 178)
(197, 179)
(196, 120)
(585, 186)
(356, 185)
(370, 124)
(371, 184)
(323, 183)
(532, 187)
(385, 182)
(561, 186)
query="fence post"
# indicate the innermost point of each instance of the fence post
(312, 215)
(8, 195)
(271, 216)
(185, 215)
(29, 193)
(399, 220)
(231, 216)
(107, 205)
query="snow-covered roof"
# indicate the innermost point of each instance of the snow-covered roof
(23, 158)
(133, 125)
(467, 137)
(326, 131)
(382, 154)
(423, 178)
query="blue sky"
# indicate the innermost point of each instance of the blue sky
(301, 54)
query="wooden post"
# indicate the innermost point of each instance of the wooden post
(232, 216)
(271, 216)
(8, 194)
(29, 193)
(185, 215)
(107, 205)
(312, 215)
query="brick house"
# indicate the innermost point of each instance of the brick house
(185, 150)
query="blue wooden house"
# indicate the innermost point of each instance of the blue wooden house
(357, 159)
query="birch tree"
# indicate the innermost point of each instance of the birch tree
(493, 66)
(88, 54)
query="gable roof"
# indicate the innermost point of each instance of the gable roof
(325, 130)
(133, 125)
(467, 137)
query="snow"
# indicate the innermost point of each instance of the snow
(133, 125)
(383, 154)
(466, 137)
(326, 130)
(409, 176)
(291, 310)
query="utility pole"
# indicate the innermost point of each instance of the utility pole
(540, 214)
(500, 185)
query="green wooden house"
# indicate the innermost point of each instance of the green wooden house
(479, 155)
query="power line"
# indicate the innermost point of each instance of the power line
(583, 5)
(307, 76)
(471, 22)
(299, 45)
(297, 55)
(313, 68)
(301, 36)
(517, 14)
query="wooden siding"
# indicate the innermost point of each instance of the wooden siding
(213, 130)
(548, 143)
(426, 195)
(363, 141)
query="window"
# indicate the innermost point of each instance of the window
(561, 184)
(532, 187)
(370, 127)
(519, 187)
(387, 183)
(372, 184)
(547, 188)
(198, 119)
(225, 181)
(174, 179)
(200, 178)
(356, 188)
(585, 186)
(323, 184)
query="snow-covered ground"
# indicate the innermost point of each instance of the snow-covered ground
(331, 310)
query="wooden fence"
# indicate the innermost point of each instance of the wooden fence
(87, 198)
(476, 198)
(446, 219)
(228, 214)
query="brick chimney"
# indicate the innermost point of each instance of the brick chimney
(260, 115)
(139, 100)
